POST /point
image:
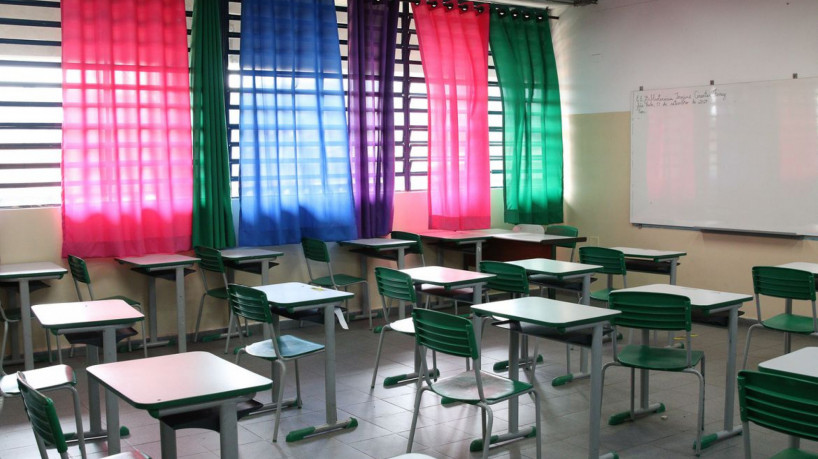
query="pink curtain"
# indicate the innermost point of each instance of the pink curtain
(454, 52)
(127, 161)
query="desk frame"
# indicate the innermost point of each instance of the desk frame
(164, 262)
(23, 273)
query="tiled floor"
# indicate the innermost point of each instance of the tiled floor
(384, 414)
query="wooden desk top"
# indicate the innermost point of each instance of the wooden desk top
(84, 314)
(159, 260)
(445, 277)
(699, 298)
(250, 253)
(296, 294)
(174, 380)
(545, 312)
(35, 269)
(801, 363)
(554, 267)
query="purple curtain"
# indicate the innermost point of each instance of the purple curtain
(372, 35)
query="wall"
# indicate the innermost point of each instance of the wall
(35, 234)
(607, 51)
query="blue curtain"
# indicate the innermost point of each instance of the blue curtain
(294, 166)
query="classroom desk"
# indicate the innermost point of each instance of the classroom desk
(91, 316)
(376, 247)
(515, 246)
(192, 381)
(564, 317)
(252, 259)
(292, 297)
(652, 261)
(707, 301)
(562, 270)
(23, 274)
(170, 267)
(461, 241)
(447, 278)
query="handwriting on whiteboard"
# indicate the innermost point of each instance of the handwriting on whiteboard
(679, 98)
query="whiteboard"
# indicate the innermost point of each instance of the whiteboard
(732, 157)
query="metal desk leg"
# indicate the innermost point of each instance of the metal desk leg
(583, 352)
(153, 325)
(595, 410)
(329, 386)
(25, 318)
(181, 327)
(673, 263)
(229, 435)
(111, 402)
(729, 387)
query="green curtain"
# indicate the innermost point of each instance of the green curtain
(212, 212)
(532, 121)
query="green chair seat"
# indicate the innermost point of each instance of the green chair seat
(792, 453)
(290, 347)
(660, 359)
(463, 387)
(602, 295)
(790, 323)
(220, 293)
(341, 280)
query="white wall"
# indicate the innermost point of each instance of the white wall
(606, 51)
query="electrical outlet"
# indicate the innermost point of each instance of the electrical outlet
(593, 241)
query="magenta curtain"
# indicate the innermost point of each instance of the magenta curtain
(127, 161)
(454, 53)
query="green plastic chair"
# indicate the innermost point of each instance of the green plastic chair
(315, 250)
(210, 261)
(513, 280)
(790, 284)
(781, 403)
(252, 305)
(46, 424)
(453, 335)
(564, 230)
(393, 285)
(79, 272)
(416, 248)
(655, 311)
(613, 264)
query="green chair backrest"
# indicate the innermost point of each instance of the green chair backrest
(79, 270)
(249, 303)
(612, 261)
(778, 402)
(210, 259)
(395, 284)
(508, 278)
(784, 282)
(445, 333)
(563, 230)
(43, 416)
(315, 249)
(648, 310)
(416, 248)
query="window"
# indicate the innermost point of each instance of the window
(31, 107)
